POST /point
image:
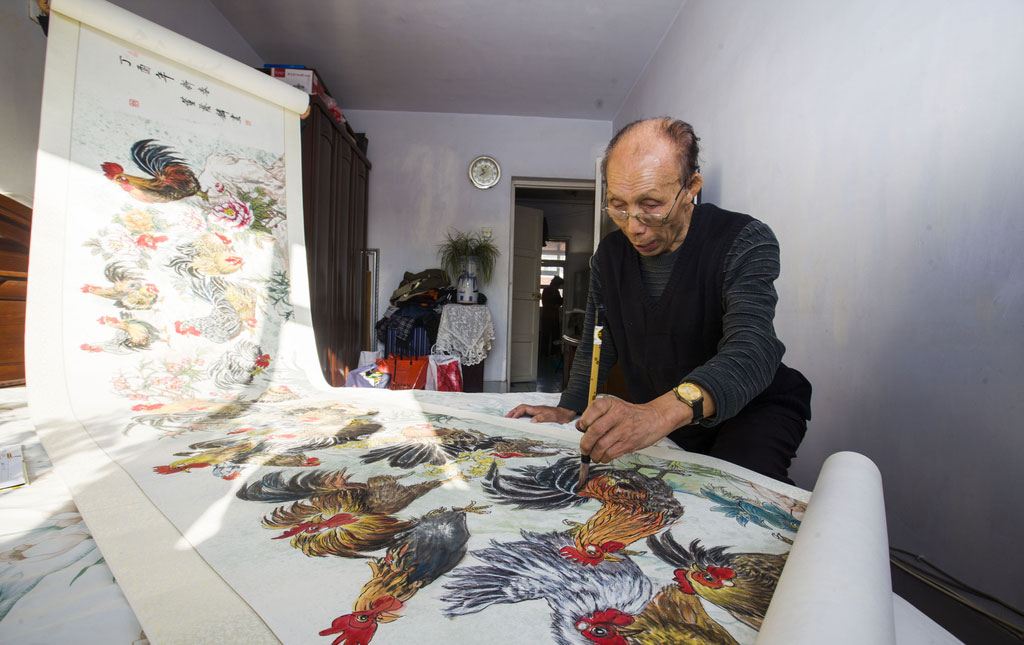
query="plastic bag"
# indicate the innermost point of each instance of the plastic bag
(367, 376)
(444, 373)
(407, 372)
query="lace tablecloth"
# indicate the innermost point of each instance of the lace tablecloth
(465, 331)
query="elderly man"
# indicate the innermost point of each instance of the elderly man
(689, 299)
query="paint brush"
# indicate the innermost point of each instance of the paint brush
(595, 362)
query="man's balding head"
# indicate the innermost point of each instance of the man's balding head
(638, 136)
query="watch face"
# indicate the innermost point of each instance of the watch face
(484, 172)
(689, 391)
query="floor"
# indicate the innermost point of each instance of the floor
(549, 377)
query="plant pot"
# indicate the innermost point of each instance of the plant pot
(466, 290)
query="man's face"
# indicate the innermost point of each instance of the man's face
(643, 175)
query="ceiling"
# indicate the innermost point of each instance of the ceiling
(553, 58)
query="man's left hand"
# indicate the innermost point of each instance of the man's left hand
(614, 427)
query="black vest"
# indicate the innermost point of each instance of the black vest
(660, 341)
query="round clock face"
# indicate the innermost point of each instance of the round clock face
(484, 172)
(689, 392)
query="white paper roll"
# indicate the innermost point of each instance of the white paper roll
(127, 26)
(836, 586)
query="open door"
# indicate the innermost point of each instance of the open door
(527, 238)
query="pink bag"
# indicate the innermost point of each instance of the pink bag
(444, 373)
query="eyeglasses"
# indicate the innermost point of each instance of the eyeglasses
(645, 218)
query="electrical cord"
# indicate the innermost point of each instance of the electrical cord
(942, 584)
(959, 583)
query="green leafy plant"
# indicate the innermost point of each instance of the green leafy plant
(459, 245)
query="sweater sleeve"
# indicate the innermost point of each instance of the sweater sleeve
(574, 397)
(749, 352)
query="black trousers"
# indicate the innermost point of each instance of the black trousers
(763, 437)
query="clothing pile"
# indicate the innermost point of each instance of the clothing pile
(409, 326)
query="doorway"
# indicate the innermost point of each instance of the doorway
(563, 247)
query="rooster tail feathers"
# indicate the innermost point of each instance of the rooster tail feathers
(533, 487)
(675, 554)
(410, 455)
(153, 159)
(116, 272)
(671, 552)
(273, 487)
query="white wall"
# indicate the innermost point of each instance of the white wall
(883, 143)
(23, 51)
(419, 187)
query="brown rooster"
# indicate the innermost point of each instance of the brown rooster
(740, 583)
(169, 178)
(339, 517)
(633, 505)
(415, 558)
(127, 289)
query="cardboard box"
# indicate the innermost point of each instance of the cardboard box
(306, 80)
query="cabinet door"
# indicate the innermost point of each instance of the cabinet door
(335, 182)
(320, 189)
(343, 358)
(358, 337)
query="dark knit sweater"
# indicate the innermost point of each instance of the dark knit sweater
(749, 353)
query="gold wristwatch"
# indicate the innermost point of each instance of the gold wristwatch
(690, 394)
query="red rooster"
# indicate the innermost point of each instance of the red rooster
(169, 178)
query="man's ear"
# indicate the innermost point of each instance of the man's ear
(696, 181)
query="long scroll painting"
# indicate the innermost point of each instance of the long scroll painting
(340, 516)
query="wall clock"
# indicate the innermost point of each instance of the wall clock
(484, 172)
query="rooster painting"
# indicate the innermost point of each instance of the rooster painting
(633, 505)
(284, 449)
(417, 557)
(234, 309)
(338, 517)
(237, 366)
(249, 417)
(675, 617)
(210, 254)
(131, 335)
(169, 178)
(740, 583)
(541, 488)
(127, 289)
(426, 444)
(587, 605)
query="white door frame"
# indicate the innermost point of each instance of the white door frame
(532, 182)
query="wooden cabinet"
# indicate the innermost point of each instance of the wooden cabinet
(15, 225)
(335, 182)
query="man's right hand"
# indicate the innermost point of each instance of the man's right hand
(542, 413)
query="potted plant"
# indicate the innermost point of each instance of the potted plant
(468, 256)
